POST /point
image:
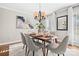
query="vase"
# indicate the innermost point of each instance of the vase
(40, 30)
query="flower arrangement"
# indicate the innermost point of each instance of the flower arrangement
(40, 26)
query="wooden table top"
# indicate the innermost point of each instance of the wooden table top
(43, 37)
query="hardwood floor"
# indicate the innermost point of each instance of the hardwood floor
(4, 50)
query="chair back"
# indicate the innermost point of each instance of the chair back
(64, 42)
(54, 33)
(30, 43)
(63, 45)
(23, 38)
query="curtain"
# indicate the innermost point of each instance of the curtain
(52, 22)
(71, 25)
(76, 25)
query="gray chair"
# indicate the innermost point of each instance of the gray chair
(60, 49)
(31, 45)
(23, 40)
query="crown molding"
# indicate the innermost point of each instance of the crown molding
(12, 9)
(63, 9)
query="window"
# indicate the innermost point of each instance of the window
(76, 25)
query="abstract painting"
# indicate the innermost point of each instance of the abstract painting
(20, 21)
(62, 23)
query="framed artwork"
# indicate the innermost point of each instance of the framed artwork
(20, 21)
(62, 22)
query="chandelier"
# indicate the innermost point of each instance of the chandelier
(39, 15)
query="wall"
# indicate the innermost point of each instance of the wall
(52, 22)
(8, 31)
(61, 33)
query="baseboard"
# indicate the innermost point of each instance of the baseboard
(10, 43)
(73, 46)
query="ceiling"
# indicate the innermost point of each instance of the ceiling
(31, 7)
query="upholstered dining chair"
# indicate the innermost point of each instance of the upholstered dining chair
(53, 32)
(23, 40)
(31, 45)
(60, 49)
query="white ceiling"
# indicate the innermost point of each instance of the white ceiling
(30, 8)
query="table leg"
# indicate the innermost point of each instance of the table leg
(44, 49)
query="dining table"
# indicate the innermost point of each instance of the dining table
(44, 37)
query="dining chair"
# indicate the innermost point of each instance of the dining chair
(53, 33)
(24, 42)
(60, 49)
(34, 47)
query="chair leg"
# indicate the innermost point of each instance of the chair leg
(42, 51)
(26, 50)
(47, 53)
(63, 55)
(58, 54)
(33, 53)
(23, 46)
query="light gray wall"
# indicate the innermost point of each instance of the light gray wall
(70, 32)
(8, 31)
(61, 33)
(52, 23)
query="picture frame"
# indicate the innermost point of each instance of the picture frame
(62, 23)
